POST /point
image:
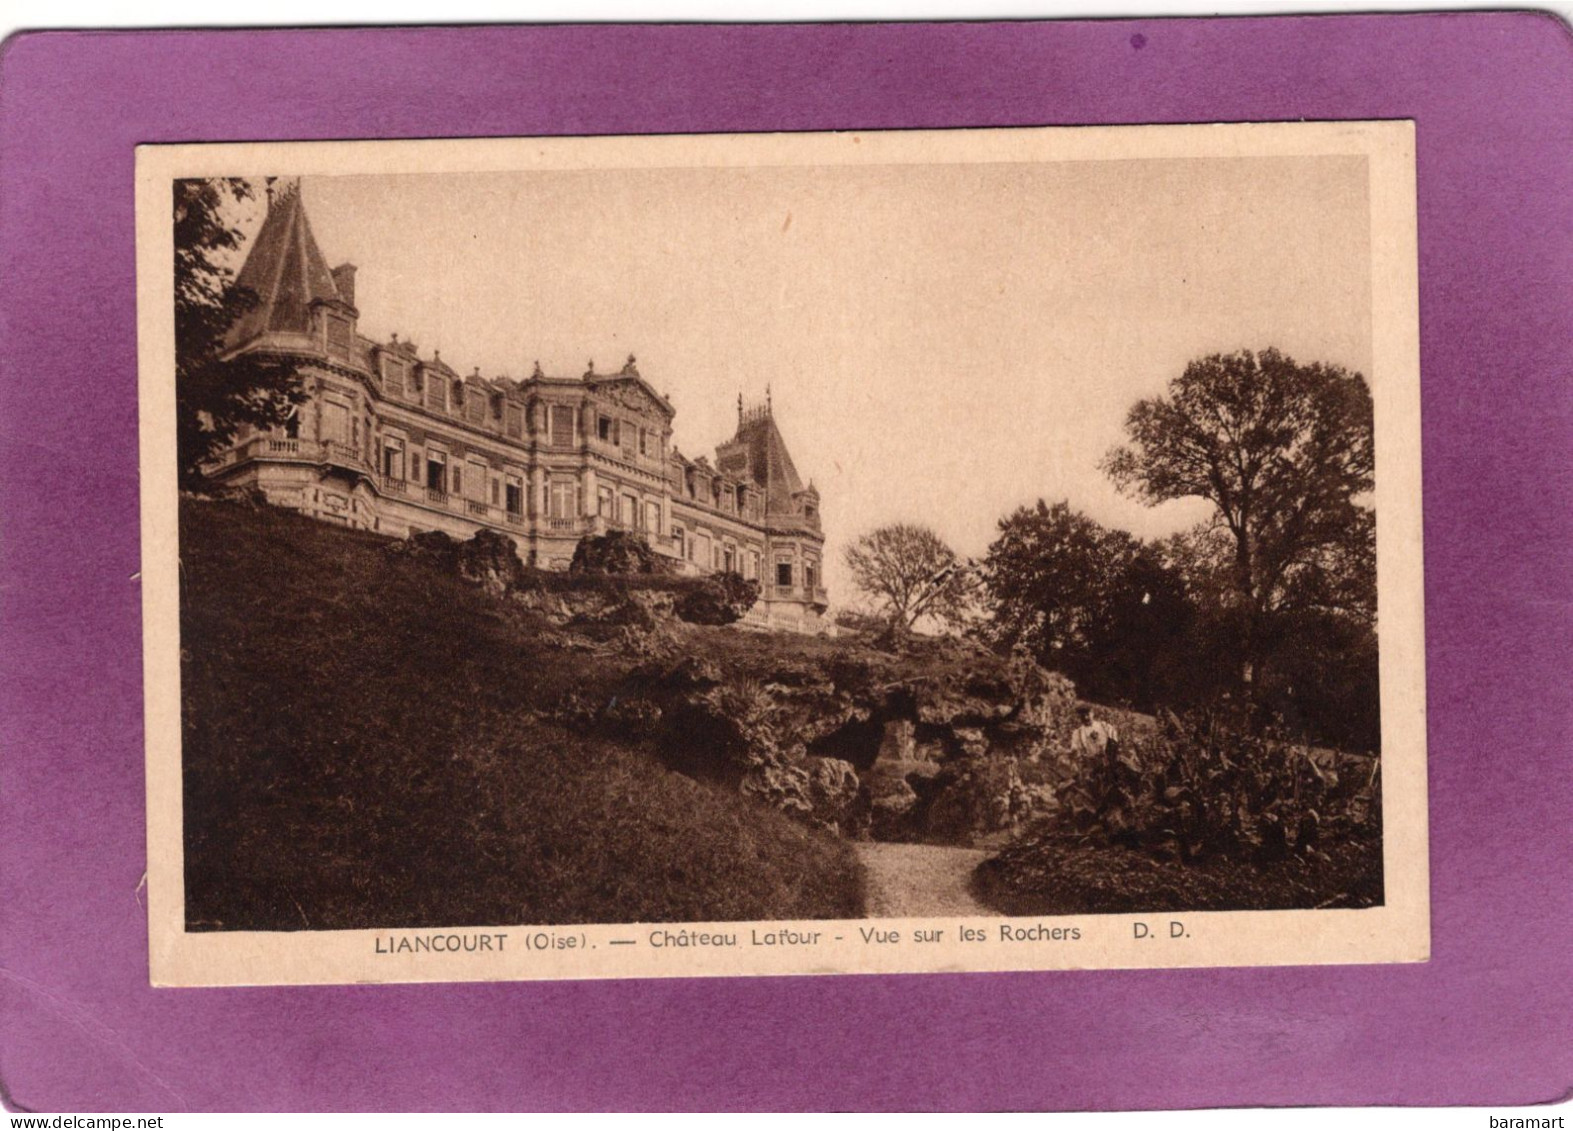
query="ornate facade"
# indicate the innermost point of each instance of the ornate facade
(391, 441)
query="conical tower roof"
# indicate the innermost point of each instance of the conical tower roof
(769, 462)
(286, 270)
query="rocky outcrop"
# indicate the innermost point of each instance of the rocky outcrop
(489, 558)
(925, 746)
(617, 551)
(901, 738)
(721, 598)
(701, 600)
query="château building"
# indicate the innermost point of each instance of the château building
(392, 441)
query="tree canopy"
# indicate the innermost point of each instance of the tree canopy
(911, 574)
(1284, 452)
(1092, 602)
(216, 395)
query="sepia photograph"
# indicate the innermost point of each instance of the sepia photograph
(782, 553)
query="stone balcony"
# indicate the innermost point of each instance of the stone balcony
(304, 451)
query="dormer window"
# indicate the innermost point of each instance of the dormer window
(393, 376)
(338, 334)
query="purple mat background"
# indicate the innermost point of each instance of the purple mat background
(1488, 1020)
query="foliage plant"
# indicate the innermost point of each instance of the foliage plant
(1207, 786)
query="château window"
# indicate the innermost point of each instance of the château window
(606, 502)
(784, 573)
(393, 457)
(652, 517)
(606, 430)
(563, 498)
(515, 424)
(677, 542)
(630, 515)
(335, 422)
(810, 575)
(338, 335)
(458, 480)
(475, 477)
(644, 441)
(475, 406)
(436, 470)
(562, 426)
(513, 494)
(437, 394)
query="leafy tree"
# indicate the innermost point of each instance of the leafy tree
(215, 396)
(1051, 576)
(1318, 672)
(1284, 452)
(1144, 638)
(911, 574)
(1086, 600)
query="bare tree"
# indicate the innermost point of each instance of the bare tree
(910, 573)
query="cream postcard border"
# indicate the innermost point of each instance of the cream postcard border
(1398, 931)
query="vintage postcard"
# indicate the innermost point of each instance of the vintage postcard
(782, 554)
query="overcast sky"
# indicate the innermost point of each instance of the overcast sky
(944, 343)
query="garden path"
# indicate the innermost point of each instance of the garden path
(920, 880)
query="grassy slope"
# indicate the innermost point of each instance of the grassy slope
(360, 751)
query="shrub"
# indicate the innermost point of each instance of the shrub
(617, 551)
(720, 598)
(1206, 786)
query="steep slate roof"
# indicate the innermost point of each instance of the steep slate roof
(768, 459)
(286, 269)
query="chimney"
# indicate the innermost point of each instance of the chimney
(344, 280)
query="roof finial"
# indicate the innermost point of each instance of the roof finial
(537, 372)
(590, 372)
(769, 408)
(628, 367)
